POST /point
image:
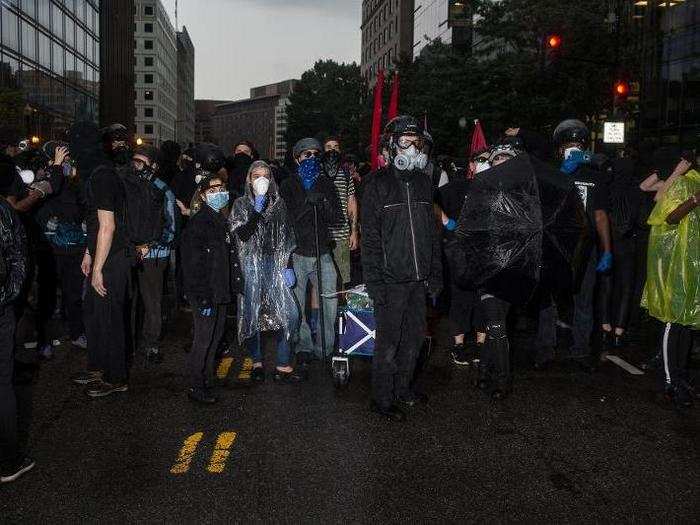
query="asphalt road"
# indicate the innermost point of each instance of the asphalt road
(566, 447)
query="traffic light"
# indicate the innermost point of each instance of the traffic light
(553, 42)
(621, 91)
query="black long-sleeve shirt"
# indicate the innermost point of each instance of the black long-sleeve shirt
(13, 254)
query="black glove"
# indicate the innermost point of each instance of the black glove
(315, 198)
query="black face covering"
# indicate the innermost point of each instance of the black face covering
(331, 163)
(121, 156)
(146, 173)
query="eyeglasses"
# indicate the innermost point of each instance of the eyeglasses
(310, 154)
(406, 141)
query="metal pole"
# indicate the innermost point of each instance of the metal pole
(319, 285)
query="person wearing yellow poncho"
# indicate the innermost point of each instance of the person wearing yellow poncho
(672, 290)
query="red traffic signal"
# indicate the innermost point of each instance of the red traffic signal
(553, 41)
(622, 89)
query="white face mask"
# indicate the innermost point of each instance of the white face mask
(569, 151)
(27, 176)
(481, 166)
(410, 158)
(261, 185)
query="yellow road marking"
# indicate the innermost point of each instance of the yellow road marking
(182, 465)
(246, 368)
(217, 464)
(224, 367)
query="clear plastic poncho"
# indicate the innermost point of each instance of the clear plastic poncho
(267, 304)
(672, 290)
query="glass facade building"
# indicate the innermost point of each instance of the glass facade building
(449, 21)
(669, 44)
(49, 66)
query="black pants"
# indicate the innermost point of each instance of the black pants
(105, 320)
(150, 276)
(465, 314)
(495, 356)
(71, 279)
(401, 324)
(676, 342)
(616, 290)
(46, 280)
(9, 444)
(207, 334)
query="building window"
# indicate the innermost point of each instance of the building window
(148, 44)
(148, 95)
(148, 129)
(148, 112)
(147, 61)
(148, 79)
(148, 27)
(148, 10)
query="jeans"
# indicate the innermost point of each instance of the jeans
(208, 332)
(341, 256)
(150, 278)
(401, 323)
(305, 269)
(254, 345)
(72, 281)
(9, 444)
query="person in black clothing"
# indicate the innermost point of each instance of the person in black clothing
(301, 194)
(401, 263)
(206, 259)
(464, 313)
(13, 271)
(237, 166)
(61, 219)
(107, 262)
(184, 184)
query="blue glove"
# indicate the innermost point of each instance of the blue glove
(260, 201)
(206, 312)
(604, 263)
(451, 225)
(290, 278)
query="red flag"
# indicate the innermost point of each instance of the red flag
(394, 101)
(478, 142)
(377, 119)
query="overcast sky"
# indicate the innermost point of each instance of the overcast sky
(240, 44)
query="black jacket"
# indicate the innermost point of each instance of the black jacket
(400, 239)
(206, 259)
(13, 254)
(301, 213)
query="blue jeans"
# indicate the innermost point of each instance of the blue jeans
(254, 345)
(305, 269)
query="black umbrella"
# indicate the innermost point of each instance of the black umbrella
(522, 224)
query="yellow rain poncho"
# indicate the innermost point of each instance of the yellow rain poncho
(672, 290)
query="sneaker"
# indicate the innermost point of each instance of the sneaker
(289, 377)
(80, 342)
(13, 474)
(86, 377)
(391, 412)
(103, 389)
(45, 352)
(258, 374)
(460, 355)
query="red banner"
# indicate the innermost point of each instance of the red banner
(377, 119)
(394, 101)
(478, 143)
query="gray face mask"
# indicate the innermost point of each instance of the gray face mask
(410, 159)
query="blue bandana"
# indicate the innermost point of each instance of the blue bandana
(309, 171)
(575, 159)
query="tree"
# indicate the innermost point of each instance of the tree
(328, 100)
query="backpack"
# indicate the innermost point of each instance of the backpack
(144, 205)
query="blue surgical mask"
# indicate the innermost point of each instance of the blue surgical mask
(309, 170)
(217, 201)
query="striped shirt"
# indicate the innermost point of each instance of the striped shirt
(344, 188)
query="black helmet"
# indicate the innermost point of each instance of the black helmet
(402, 125)
(208, 157)
(115, 132)
(571, 131)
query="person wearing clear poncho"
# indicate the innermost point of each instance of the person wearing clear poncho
(672, 289)
(265, 243)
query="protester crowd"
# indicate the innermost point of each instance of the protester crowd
(111, 225)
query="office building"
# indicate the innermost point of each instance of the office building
(261, 119)
(449, 21)
(117, 63)
(203, 112)
(184, 129)
(668, 45)
(49, 66)
(387, 35)
(155, 73)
